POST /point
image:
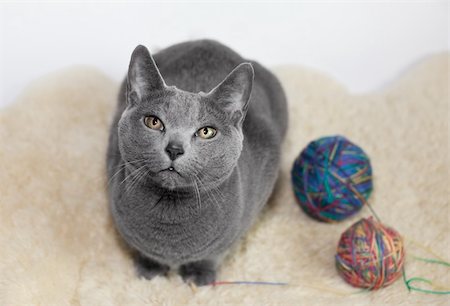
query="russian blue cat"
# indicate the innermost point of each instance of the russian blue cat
(193, 155)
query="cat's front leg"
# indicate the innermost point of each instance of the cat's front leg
(148, 268)
(200, 273)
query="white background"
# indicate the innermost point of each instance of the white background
(364, 45)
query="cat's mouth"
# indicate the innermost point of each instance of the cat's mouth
(171, 178)
(169, 170)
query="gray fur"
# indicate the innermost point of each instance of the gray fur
(188, 218)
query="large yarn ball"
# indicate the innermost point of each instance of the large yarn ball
(370, 255)
(332, 178)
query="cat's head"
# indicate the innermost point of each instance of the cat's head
(179, 137)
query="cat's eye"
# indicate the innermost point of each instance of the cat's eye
(206, 132)
(154, 123)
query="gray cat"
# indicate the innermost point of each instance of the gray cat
(193, 156)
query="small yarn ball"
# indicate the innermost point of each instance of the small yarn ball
(370, 255)
(332, 178)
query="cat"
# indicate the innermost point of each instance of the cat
(193, 155)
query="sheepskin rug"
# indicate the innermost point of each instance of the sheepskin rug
(58, 245)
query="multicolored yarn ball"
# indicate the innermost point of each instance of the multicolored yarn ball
(370, 255)
(332, 178)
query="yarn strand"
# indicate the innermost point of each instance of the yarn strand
(248, 283)
(408, 282)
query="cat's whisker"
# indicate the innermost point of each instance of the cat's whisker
(131, 174)
(197, 193)
(123, 165)
(199, 185)
(211, 197)
(138, 178)
(222, 196)
(215, 198)
(218, 192)
(129, 184)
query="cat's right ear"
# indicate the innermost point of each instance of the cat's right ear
(143, 75)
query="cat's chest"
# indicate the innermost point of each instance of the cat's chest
(175, 230)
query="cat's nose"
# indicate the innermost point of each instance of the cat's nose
(174, 150)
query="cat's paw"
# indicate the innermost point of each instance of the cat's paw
(201, 273)
(148, 268)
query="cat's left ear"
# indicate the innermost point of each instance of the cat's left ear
(233, 93)
(143, 75)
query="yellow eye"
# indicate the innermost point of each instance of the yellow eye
(206, 132)
(154, 123)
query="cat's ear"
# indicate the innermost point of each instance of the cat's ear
(143, 75)
(233, 93)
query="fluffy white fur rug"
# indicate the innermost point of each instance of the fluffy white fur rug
(58, 245)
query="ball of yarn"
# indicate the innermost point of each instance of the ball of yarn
(332, 178)
(370, 255)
